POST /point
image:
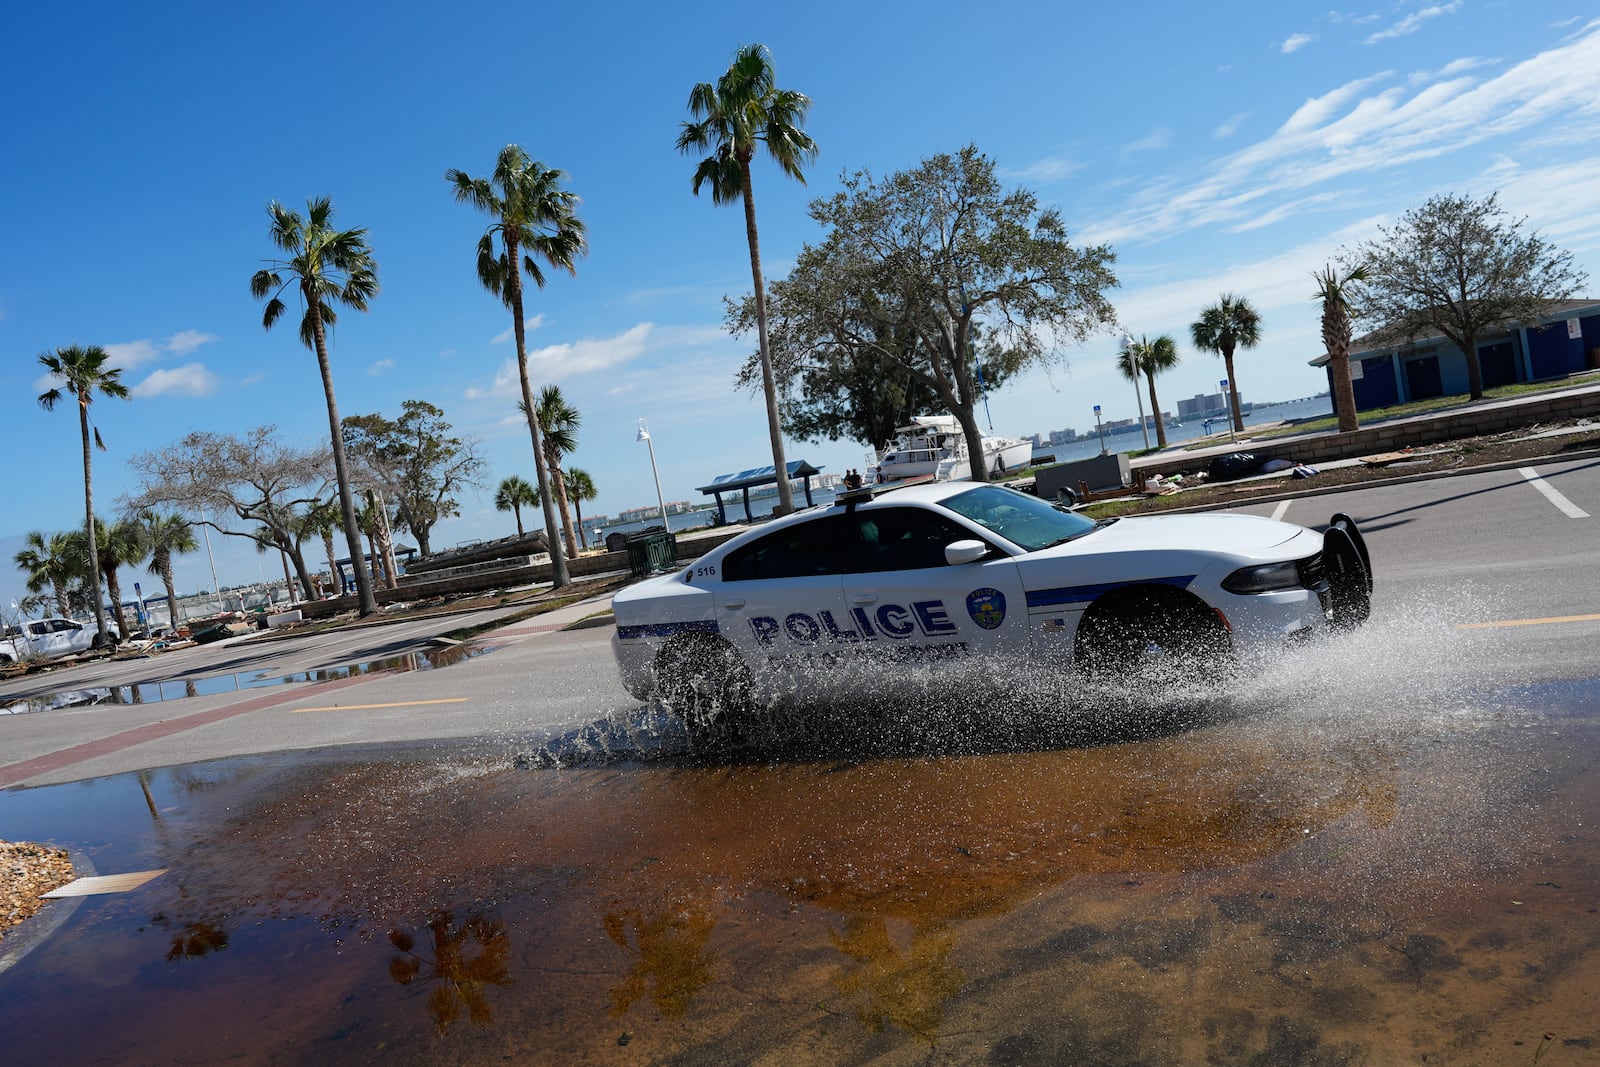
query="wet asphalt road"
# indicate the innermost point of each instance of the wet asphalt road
(1486, 549)
(1382, 851)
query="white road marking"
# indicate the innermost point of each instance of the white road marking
(1552, 494)
(104, 883)
(1283, 506)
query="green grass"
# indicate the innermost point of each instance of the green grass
(1401, 411)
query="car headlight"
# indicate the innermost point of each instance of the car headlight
(1267, 578)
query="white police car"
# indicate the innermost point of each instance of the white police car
(951, 570)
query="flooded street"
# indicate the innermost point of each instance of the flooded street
(1271, 880)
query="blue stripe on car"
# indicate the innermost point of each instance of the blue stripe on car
(667, 629)
(1082, 594)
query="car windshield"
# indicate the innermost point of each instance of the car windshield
(1023, 520)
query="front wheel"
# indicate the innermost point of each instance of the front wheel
(1349, 580)
(1154, 639)
(705, 683)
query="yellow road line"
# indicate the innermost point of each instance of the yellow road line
(1526, 622)
(399, 704)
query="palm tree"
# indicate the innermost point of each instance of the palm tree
(580, 487)
(1149, 358)
(322, 518)
(742, 108)
(1337, 310)
(534, 213)
(1228, 324)
(329, 267)
(50, 562)
(560, 421)
(83, 372)
(515, 493)
(166, 535)
(112, 548)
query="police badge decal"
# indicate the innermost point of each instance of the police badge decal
(987, 607)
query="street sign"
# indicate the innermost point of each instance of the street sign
(1097, 409)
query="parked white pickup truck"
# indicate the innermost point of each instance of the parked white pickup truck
(47, 639)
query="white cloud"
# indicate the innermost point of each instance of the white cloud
(511, 331)
(1364, 128)
(1045, 170)
(1230, 127)
(568, 360)
(1413, 22)
(191, 379)
(1155, 139)
(185, 341)
(1296, 41)
(382, 366)
(130, 354)
(1449, 70)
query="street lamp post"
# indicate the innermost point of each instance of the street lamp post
(1133, 365)
(644, 435)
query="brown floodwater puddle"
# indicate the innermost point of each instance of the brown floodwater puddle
(1419, 886)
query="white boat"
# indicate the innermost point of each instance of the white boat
(934, 446)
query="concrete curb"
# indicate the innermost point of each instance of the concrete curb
(593, 622)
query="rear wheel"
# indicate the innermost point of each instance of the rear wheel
(705, 683)
(1154, 638)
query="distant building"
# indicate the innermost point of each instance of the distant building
(1387, 370)
(1207, 406)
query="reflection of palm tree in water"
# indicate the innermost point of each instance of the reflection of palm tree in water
(461, 975)
(907, 991)
(194, 940)
(672, 960)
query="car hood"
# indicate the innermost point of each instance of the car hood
(1245, 535)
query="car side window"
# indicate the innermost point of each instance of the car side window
(802, 551)
(897, 539)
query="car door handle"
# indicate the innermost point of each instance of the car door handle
(733, 605)
(864, 598)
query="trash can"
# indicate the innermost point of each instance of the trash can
(651, 553)
(617, 542)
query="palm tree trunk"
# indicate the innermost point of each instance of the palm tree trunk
(333, 563)
(164, 566)
(769, 383)
(577, 505)
(558, 560)
(1344, 392)
(1155, 411)
(1233, 392)
(565, 508)
(114, 590)
(367, 602)
(88, 518)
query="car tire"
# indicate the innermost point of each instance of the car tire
(1154, 638)
(1349, 579)
(704, 682)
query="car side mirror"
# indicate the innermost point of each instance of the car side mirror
(959, 552)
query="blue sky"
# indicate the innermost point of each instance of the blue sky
(1230, 146)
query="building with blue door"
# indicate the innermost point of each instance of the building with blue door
(1386, 369)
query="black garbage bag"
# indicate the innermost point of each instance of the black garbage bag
(1233, 465)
